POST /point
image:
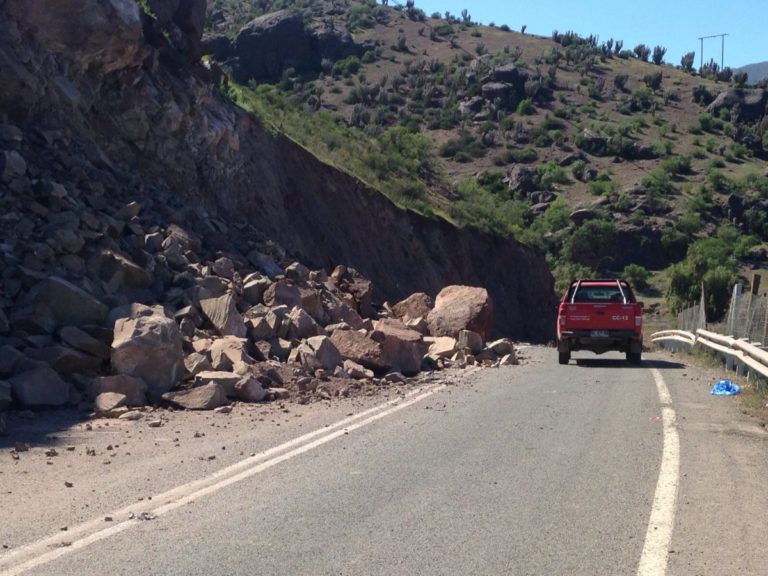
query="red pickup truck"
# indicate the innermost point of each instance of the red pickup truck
(599, 315)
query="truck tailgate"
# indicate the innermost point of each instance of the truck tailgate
(596, 316)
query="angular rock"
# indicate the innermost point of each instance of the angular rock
(508, 360)
(254, 287)
(109, 404)
(441, 346)
(502, 347)
(226, 380)
(224, 267)
(301, 324)
(66, 360)
(461, 308)
(70, 305)
(283, 292)
(338, 311)
(325, 351)
(228, 350)
(36, 318)
(134, 389)
(150, 348)
(249, 389)
(223, 314)
(357, 371)
(83, 341)
(470, 340)
(12, 165)
(41, 386)
(358, 347)
(205, 397)
(304, 356)
(418, 324)
(402, 347)
(196, 363)
(417, 305)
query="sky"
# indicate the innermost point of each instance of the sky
(676, 25)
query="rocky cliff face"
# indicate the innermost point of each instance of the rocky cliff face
(106, 103)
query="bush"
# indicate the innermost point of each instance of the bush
(636, 275)
(653, 81)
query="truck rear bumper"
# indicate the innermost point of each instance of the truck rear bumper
(621, 340)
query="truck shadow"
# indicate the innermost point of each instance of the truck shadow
(615, 363)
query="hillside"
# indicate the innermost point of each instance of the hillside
(590, 152)
(756, 72)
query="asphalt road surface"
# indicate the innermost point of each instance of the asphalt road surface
(594, 468)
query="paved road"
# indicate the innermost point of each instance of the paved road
(533, 470)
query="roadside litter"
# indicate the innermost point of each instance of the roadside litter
(725, 388)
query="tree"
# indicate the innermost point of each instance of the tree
(466, 18)
(740, 78)
(686, 62)
(658, 55)
(642, 52)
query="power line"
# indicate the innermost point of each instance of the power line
(722, 48)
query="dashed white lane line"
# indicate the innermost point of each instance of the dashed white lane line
(77, 538)
(653, 561)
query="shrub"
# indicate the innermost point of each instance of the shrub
(653, 81)
(525, 107)
(636, 275)
(686, 62)
(658, 55)
(620, 81)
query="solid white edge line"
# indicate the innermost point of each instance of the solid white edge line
(84, 535)
(653, 561)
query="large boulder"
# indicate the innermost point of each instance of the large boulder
(225, 380)
(750, 103)
(40, 386)
(101, 35)
(358, 347)
(149, 347)
(403, 348)
(461, 308)
(272, 43)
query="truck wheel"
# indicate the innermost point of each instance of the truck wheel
(634, 357)
(563, 357)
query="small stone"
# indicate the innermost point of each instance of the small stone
(154, 423)
(51, 452)
(68, 484)
(223, 410)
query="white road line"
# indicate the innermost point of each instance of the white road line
(77, 538)
(653, 561)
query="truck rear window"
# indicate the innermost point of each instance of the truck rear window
(603, 292)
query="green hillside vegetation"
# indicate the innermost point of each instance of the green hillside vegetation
(606, 130)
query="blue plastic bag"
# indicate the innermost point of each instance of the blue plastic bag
(725, 388)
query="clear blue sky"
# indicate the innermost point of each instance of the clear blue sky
(674, 24)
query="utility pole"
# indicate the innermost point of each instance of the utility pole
(722, 48)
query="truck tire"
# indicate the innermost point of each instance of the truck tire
(563, 357)
(634, 357)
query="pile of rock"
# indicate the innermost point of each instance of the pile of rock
(103, 302)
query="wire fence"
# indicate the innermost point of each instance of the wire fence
(747, 315)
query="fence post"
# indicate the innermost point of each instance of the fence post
(733, 312)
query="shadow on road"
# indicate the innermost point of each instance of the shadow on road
(614, 363)
(39, 428)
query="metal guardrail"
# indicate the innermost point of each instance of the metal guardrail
(736, 351)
